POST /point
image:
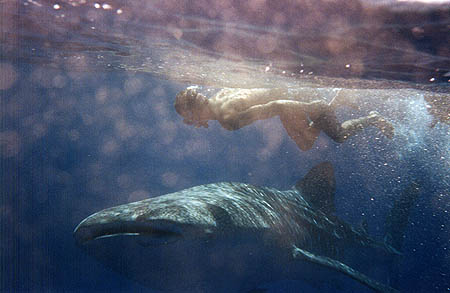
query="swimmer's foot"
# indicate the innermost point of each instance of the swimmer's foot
(382, 124)
(341, 99)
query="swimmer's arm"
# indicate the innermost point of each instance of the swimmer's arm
(259, 112)
(240, 119)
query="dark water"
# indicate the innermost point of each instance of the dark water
(87, 119)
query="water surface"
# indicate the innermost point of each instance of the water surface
(87, 119)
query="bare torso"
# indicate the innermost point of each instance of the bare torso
(228, 105)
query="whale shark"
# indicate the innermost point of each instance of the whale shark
(237, 237)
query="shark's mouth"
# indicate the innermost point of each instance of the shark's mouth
(159, 231)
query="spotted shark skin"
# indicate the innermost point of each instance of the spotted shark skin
(231, 237)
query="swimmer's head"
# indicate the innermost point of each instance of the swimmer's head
(190, 104)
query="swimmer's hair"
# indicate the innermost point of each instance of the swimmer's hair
(186, 100)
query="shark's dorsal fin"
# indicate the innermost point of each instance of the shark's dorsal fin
(318, 187)
(301, 254)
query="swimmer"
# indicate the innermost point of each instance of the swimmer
(303, 121)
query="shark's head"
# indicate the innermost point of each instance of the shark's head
(155, 221)
(172, 242)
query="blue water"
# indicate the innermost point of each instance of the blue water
(80, 135)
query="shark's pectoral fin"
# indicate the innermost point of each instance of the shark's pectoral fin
(343, 268)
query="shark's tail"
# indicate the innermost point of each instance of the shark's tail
(397, 219)
(395, 226)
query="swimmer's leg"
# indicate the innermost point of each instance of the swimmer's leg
(340, 132)
(353, 126)
(381, 123)
(324, 118)
(300, 131)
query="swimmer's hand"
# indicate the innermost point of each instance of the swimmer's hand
(202, 124)
(197, 124)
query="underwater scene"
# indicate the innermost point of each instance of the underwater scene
(225, 146)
